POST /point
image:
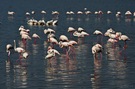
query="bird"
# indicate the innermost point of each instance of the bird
(49, 31)
(51, 53)
(109, 12)
(79, 12)
(24, 38)
(11, 13)
(35, 36)
(50, 49)
(128, 14)
(53, 41)
(18, 49)
(51, 23)
(97, 48)
(63, 38)
(124, 38)
(87, 12)
(71, 29)
(8, 50)
(97, 32)
(43, 12)
(27, 14)
(100, 35)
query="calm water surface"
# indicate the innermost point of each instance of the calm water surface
(112, 71)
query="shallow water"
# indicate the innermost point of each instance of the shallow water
(113, 70)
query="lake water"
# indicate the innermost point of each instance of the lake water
(111, 71)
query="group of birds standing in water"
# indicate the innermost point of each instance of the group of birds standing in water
(68, 45)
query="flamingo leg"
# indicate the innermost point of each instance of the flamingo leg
(35, 40)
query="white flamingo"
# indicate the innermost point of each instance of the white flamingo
(11, 13)
(51, 23)
(80, 29)
(97, 32)
(128, 13)
(97, 48)
(19, 50)
(24, 38)
(49, 31)
(63, 38)
(8, 48)
(35, 36)
(51, 54)
(53, 41)
(27, 14)
(124, 38)
(71, 29)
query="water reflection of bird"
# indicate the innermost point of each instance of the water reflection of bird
(95, 77)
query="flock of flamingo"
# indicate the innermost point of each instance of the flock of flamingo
(63, 41)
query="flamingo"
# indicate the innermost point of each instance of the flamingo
(53, 41)
(21, 28)
(51, 53)
(79, 12)
(87, 12)
(118, 14)
(19, 50)
(80, 29)
(70, 13)
(55, 13)
(25, 37)
(35, 36)
(8, 48)
(97, 48)
(71, 29)
(27, 14)
(50, 49)
(113, 41)
(85, 33)
(71, 46)
(41, 22)
(11, 13)
(49, 31)
(63, 38)
(43, 12)
(109, 12)
(67, 47)
(128, 14)
(76, 33)
(97, 32)
(32, 22)
(51, 23)
(124, 38)
(32, 12)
